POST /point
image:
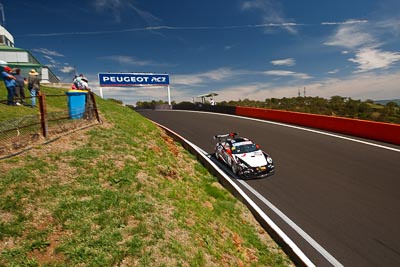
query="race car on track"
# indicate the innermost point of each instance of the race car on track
(245, 158)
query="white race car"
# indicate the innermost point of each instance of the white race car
(245, 158)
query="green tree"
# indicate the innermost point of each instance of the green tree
(351, 108)
(336, 104)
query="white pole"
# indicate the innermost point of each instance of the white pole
(101, 92)
(169, 96)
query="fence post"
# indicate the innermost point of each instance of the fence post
(96, 111)
(43, 114)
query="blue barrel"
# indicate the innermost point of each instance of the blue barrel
(76, 103)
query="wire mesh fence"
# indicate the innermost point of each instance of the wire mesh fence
(20, 133)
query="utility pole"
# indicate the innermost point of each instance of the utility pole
(304, 92)
(3, 18)
(298, 92)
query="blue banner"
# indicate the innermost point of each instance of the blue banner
(132, 79)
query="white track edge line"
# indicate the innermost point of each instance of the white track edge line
(288, 221)
(293, 225)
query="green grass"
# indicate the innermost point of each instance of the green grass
(119, 194)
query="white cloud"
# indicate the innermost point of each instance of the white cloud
(391, 25)
(129, 60)
(351, 37)
(204, 77)
(251, 91)
(362, 40)
(149, 18)
(220, 74)
(50, 56)
(272, 14)
(117, 8)
(333, 71)
(229, 47)
(347, 22)
(360, 86)
(48, 52)
(253, 4)
(372, 58)
(51, 60)
(113, 7)
(187, 79)
(298, 75)
(284, 62)
(284, 25)
(67, 69)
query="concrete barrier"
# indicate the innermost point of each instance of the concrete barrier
(379, 131)
(205, 107)
(385, 132)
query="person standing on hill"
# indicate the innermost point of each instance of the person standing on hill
(20, 86)
(83, 84)
(33, 85)
(9, 81)
(77, 80)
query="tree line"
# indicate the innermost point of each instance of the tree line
(335, 106)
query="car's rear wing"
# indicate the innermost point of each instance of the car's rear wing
(222, 137)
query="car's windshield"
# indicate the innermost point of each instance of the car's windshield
(246, 148)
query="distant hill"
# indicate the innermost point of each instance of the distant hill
(384, 102)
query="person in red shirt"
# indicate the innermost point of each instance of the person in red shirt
(9, 81)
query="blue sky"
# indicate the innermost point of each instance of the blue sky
(254, 49)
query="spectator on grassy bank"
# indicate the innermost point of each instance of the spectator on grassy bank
(20, 87)
(80, 83)
(33, 85)
(9, 81)
(84, 85)
(77, 80)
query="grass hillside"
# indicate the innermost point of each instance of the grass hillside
(122, 194)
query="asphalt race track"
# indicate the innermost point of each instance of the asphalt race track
(343, 194)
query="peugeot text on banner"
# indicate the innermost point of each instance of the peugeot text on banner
(132, 79)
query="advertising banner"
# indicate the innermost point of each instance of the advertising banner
(132, 79)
